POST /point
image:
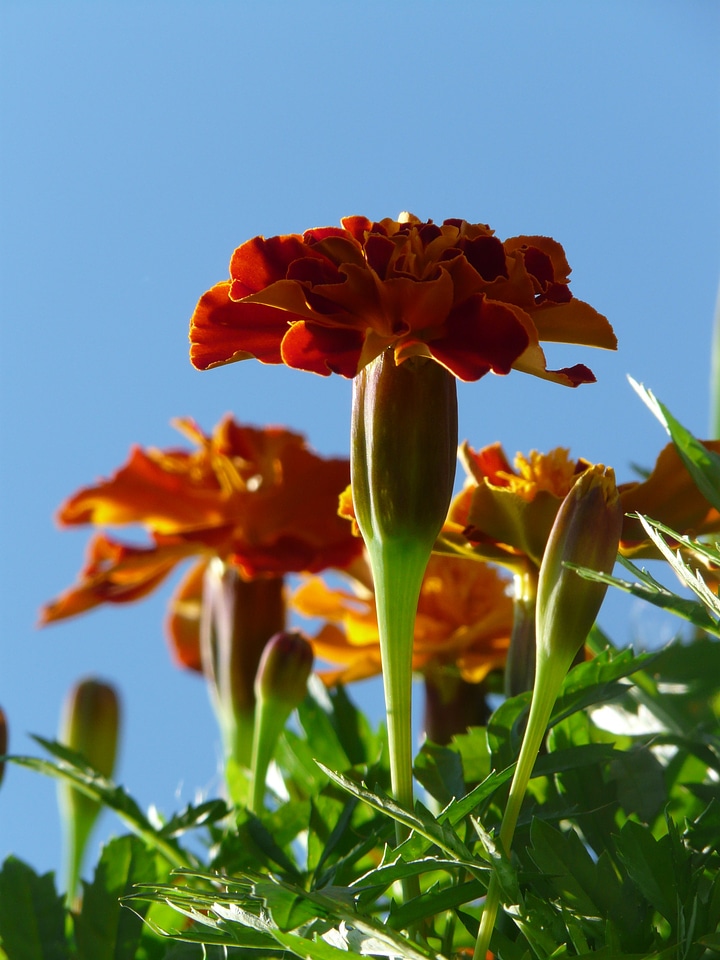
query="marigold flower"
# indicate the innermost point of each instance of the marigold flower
(506, 514)
(334, 298)
(257, 498)
(464, 618)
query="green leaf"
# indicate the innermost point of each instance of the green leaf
(425, 824)
(702, 464)
(104, 930)
(71, 767)
(440, 771)
(505, 730)
(191, 818)
(647, 588)
(32, 914)
(456, 812)
(597, 681)
(567, 866)
(640, 783)
(474, 754)
(649, 863)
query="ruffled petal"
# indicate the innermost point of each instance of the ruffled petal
(323, 350)
(115, 573)
(223, 331)
(481, 336)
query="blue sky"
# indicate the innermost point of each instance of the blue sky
(142, 142)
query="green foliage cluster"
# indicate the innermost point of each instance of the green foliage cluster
(617, 852)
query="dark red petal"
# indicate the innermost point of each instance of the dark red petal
(312, 270)
(539, 265)
(487, 256)
(222, 330)
(481, 335)
(576, 375)
(378, 252)
(323, 350)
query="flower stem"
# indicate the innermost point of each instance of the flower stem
(398, 568)
(549, 676)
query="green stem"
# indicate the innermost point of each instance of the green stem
(520, 666)
(398, 569)
(270, 718)
(549, 676)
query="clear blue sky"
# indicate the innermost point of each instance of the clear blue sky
(141, 142)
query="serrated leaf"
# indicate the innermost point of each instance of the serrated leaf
(193, 817)
(649, 863)
(425, 824)
(647, 588)
(104, 930)
(457, 811)
(567, 866)
(72, 768)
(289, 908)
(691, 578)
(440, 770)
(640, 783)
(32, 914)
(703, 465)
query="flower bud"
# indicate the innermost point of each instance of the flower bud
(3, 741)
(90, 726)
(403, 448)
(284, 669)
(586, 532)
(91, 722)
(238, 618)
(280, 686)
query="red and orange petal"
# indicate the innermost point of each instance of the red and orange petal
(115, 573)
(258, 497)
(182, 626)
(332, 300)
(670, 496)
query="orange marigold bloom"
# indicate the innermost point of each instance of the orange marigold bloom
(506, 514)
(334, 298)
(257, 498)
(464, 618)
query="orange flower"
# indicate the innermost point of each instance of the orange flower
(464, 617)
(258, 498)
(333, 299)
(506, 514)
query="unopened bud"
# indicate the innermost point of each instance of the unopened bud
(90, 726)
(403, 448)
(91, 722)
(586, 533)
(285, 666)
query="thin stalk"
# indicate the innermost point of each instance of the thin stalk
(269, 724)
(398, 569)
(549, 676)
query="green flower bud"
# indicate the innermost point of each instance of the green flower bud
(284, 669)
(280, 686)
(238, 619)
(403, 448)
(90, 725)
(586, 532)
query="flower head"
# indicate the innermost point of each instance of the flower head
(257, 498)
(334, 298)
(506, 513)
(464, 618)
